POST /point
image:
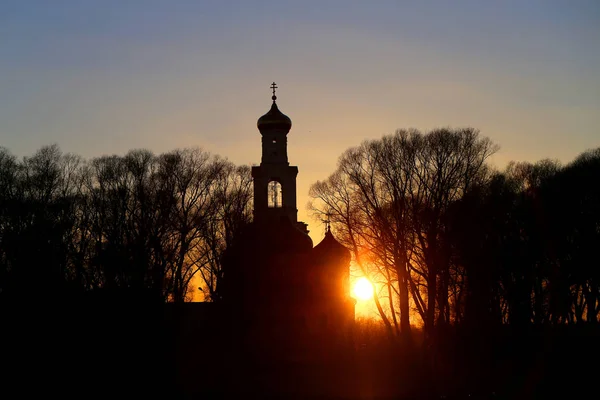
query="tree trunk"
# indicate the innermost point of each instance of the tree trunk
(431, 299)
(404, 306)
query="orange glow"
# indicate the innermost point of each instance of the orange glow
(363, 289)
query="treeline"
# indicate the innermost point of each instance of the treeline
(448, 240)
(140, 223)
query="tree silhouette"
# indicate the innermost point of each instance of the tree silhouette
(388, 200)
(136, 226)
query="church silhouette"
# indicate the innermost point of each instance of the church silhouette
(285, 324)
(293, 300)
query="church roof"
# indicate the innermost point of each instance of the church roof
(274, 120)
(330, 246)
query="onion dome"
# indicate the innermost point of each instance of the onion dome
(274, 120)
(330, 247)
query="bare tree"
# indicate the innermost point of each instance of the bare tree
(194, 174)
(9, 180)
(388, 200)
(448, 164)
(232, 199)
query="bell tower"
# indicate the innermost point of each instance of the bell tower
(274, 179)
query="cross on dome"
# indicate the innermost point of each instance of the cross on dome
(273, 87)
(274, 120)
(327, 222)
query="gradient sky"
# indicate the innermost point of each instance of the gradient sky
(104, 77)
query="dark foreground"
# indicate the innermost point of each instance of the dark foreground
(135, 351)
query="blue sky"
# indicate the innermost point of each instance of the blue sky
(103, 77)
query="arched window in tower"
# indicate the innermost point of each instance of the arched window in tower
(275, 195)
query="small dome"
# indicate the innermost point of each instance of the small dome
(329, 246)
(274, 120)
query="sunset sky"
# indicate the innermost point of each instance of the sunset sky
(104, 77)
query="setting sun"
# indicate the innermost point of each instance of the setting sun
(363, 289)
